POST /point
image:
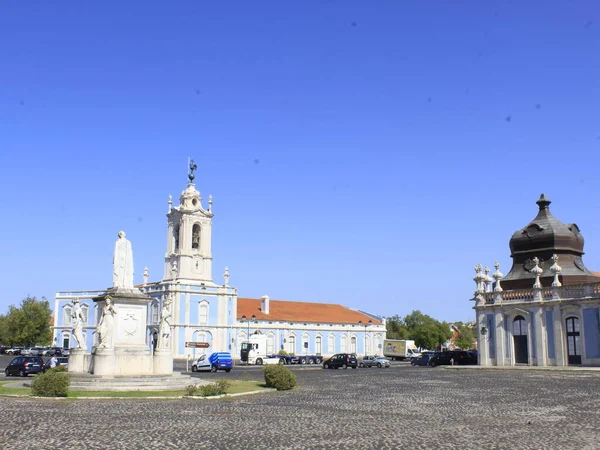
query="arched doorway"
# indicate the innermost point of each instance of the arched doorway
(573, 344)
(520, 339)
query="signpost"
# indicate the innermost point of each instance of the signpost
(197, 344)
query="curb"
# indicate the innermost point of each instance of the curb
(532, 368)
(179, 397)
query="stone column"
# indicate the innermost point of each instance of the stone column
(500, 337)
(540, 337)
(559, 338)
(482, 339)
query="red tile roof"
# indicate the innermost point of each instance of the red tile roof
(305, 312)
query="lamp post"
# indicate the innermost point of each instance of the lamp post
(368, 324)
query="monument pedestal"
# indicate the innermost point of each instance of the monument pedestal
(79, 360)
(163, 362)
(103, 361)
(126, 350)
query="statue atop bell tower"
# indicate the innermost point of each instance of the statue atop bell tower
(189, 236)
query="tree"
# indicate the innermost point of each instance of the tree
(426, 331)
(466, 336)
(395, 328)
(29, 324)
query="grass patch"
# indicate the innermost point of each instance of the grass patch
(14, 391)
(235, 388)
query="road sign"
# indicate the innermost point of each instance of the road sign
(197, 344)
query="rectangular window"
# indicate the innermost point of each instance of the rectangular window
(67, 319)
(203, 316)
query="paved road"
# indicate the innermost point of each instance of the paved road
(401, 407)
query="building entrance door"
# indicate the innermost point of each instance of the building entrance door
(573, 344)
(520, 339)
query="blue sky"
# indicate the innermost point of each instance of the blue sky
(362, 153)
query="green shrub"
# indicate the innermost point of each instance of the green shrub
(279, 377)
(218, 388)
(283, 353)
(53, 383)
(191, 389)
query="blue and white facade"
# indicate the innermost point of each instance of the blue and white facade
(206, 312)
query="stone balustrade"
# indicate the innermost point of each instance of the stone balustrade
(528, 295)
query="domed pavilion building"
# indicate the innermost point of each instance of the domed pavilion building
(546, 310)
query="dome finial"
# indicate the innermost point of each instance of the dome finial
(543, 202)
(192, 168)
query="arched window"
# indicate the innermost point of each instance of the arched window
(176, 237)
(85, 312)
(203, 313)
(519, 326)
(318, 345)
(196, 236)
(353, 344)
(292, 344)
(67, 315)
(270, 344)
(378, 344)
(331, 344)
(155, 316)
(305, 341)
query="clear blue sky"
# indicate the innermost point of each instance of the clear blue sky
(367, 153)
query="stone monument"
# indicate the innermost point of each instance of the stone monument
(79, 356)
(122, 339)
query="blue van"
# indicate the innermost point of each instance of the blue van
(213, 362)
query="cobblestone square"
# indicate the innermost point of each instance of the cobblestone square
(400, 407)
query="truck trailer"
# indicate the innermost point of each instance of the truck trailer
(399, 349)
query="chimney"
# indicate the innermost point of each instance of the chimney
(264, 304)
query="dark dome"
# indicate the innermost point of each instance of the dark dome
(543, 237)
(545, 232)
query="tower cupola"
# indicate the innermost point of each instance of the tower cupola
(188, 257)
(542, 238)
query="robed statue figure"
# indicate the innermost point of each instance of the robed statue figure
(123, 263)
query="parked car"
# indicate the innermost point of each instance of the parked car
(61, 361)
(3, 350)
(373, 361)
(422, 360)
(459, 357)
(343, 360)
(25, 365)
(215, 361)
(14, 351)
(54, 351)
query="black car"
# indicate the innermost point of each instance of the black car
(422, 360)
(458, 357)
(25, 365)
(343, 360)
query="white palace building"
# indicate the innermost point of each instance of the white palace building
(546, 311)
(210, 315)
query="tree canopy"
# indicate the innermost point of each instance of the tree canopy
(423, 329)
(28, 324)
(466, 336)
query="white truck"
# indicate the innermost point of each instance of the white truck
(400, 349)
(255, 351)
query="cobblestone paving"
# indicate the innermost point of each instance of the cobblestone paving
(401, 407)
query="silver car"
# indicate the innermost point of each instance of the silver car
(373, 361)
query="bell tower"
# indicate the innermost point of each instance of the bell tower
(188, 257)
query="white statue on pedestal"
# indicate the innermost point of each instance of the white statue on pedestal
(123, 263)
(165, 323)
(106, 324)
(78, 321)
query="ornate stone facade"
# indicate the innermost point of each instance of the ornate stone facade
(542, 313)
